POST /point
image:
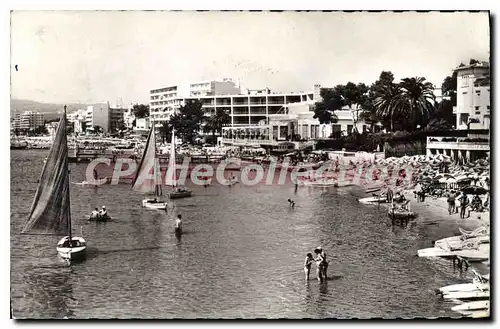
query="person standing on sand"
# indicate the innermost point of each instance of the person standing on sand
(464, 201)
(451, 203)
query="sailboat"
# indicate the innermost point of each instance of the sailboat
(177, 193)
(50, 212)
(149, 160)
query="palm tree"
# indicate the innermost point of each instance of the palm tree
(417, 98)
(215, 122)
(388, 102)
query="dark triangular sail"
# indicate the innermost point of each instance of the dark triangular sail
(50, 211)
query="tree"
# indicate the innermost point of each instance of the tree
(354, 96)
(140, 110)
(444, 111)
(215, 123)
(98, 129)
(438, 124)
(417, 100)
(40, 130)
(386, 103)
(473, 61)
(369, 113)
(165, 131)
(331, 101)
(449, 88)
(187, 122)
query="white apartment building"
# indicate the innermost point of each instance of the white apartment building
(247, 108)
(98, 115)
(295, 118)
(473, 115)
(28, 120)
(78, 119)
(473, 97)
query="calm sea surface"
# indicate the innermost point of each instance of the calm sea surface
(241, 256)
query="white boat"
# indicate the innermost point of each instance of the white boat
(476, 285)
(434, 252)
(373, 199)
(472, 306)
(467, 295)
(458, 242)
(320, 183)
(84, 183)
(474, 255)
(171, 180)
(148, 162)
(480, 314)
(50, 212)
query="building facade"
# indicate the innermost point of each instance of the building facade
(116, 119)
(78, 120)
(472, 140)
(295, 123)
(246, 109)
(28, 120)
(98, 115)
(473, 97)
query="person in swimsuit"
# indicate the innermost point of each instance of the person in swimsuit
(319, 265)
(324, 264)
(307, 265)
(178, 224)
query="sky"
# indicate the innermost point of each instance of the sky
(95, 56)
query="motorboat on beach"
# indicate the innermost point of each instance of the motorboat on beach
(476, 294)
(373, 199)
(50, 212)
(480, 305)
(434, 252)
(458, 242)
(465, 287)
(474, 255)
(179, 193)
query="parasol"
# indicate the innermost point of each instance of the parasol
(474, 190)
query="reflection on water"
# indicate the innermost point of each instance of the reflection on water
(241, 255)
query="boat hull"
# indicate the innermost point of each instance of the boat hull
(180, 195)
(434, 252)
(456, 242)
(472, 306)
(464, 287)
(467, 295)
(401, 214)
(373, 200)
(77, 252)
(148, 203)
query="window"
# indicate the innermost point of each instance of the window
(488, 107)
(464, 92)
(477, 108)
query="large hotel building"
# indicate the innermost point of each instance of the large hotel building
(246, 108)
(258, 117)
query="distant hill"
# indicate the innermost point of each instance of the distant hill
(49, 110)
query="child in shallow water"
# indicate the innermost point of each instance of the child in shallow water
(307, 265)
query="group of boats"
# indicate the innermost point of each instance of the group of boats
(470, 247)
(50, 213)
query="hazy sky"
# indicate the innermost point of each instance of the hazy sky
(102, 55)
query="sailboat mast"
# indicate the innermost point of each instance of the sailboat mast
(69, 177)
(155, 168)
(174, 164)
